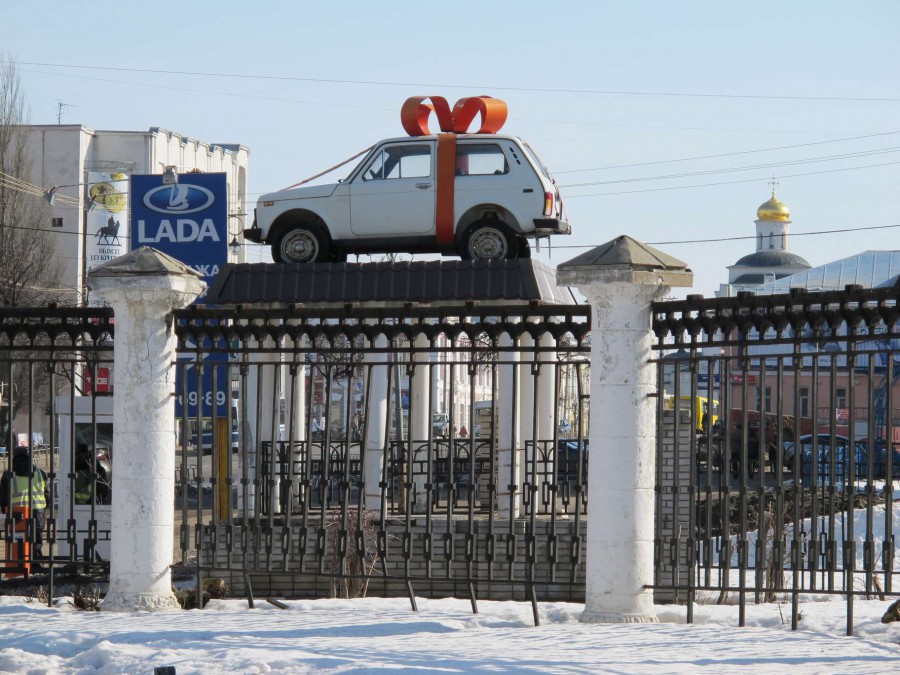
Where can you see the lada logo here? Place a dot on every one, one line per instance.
(179, 199)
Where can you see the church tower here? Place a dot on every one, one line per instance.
(772, 259)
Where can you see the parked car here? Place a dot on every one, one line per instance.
(806, 442)
(819, 464)
(568, 452)
(206, 440)
(879, 460)
(502, 195)
(440, 425)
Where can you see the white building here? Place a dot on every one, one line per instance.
(88, 172)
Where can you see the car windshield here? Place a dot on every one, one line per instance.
(367, 153)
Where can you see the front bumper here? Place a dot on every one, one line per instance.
(253, 234)
(547, 226)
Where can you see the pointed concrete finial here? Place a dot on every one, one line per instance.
(624, 259)
(145, 261)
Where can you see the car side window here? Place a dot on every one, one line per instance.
(480, 159)
(400, 161)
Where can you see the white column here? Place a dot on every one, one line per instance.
(620, 279)
(509, 471)
(376, 425)
(143, 289)
(295, 421)
(622, 458)
(545, 390)
(420, 407)
(526, 418)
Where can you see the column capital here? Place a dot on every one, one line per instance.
(627, 261)
(154, 275)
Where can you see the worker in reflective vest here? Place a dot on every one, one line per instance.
(26, 486)
(86, 479)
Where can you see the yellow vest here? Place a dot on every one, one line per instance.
(20, 491)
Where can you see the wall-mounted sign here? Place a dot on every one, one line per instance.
(106, 223)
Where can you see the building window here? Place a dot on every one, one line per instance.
(840, 398)
(804, 401)
(56, 222)
(768, 399)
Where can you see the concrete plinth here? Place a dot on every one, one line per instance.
(620, 280)
(143, 288)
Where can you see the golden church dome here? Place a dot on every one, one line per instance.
(773, 209)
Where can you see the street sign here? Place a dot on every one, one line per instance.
(212, 389)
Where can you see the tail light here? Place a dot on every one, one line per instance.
(548, 203)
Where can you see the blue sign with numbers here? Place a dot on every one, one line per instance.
(188, 220)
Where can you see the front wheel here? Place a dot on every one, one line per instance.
(489, 240)
(300, 245)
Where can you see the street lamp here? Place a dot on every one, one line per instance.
(235, 246)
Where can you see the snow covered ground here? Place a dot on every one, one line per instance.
(378, 635)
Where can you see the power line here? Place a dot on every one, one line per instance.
(751, 167)
(393, 110)
(729, 182)
(716, 240)
(725, 154)
(479, 87)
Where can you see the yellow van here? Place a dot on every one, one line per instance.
(701, 409)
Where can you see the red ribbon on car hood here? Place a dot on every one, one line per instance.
(414, 116)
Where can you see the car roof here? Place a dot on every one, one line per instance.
(467, 137)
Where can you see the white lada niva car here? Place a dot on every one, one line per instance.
(500, 196)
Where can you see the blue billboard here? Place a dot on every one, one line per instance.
(188, 220)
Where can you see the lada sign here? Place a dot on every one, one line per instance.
(188, 221)
(179, 199)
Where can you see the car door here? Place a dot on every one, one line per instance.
(394, 193)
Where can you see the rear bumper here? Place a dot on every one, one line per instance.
(545, 226)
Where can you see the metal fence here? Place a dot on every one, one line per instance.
(777, 479)
(420, 450)
(55, 448)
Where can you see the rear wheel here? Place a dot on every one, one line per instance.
(301, 244)
(489, 240)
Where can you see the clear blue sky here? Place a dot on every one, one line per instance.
(552, 63)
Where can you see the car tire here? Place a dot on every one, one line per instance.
(301, 244)
(489, 240)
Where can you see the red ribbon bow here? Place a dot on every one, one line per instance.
(415, 113)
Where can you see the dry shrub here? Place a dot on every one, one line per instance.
(213, 589)
(87, 598)
(39, 594)
(351, 580)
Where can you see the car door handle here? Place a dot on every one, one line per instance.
(423, 186)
